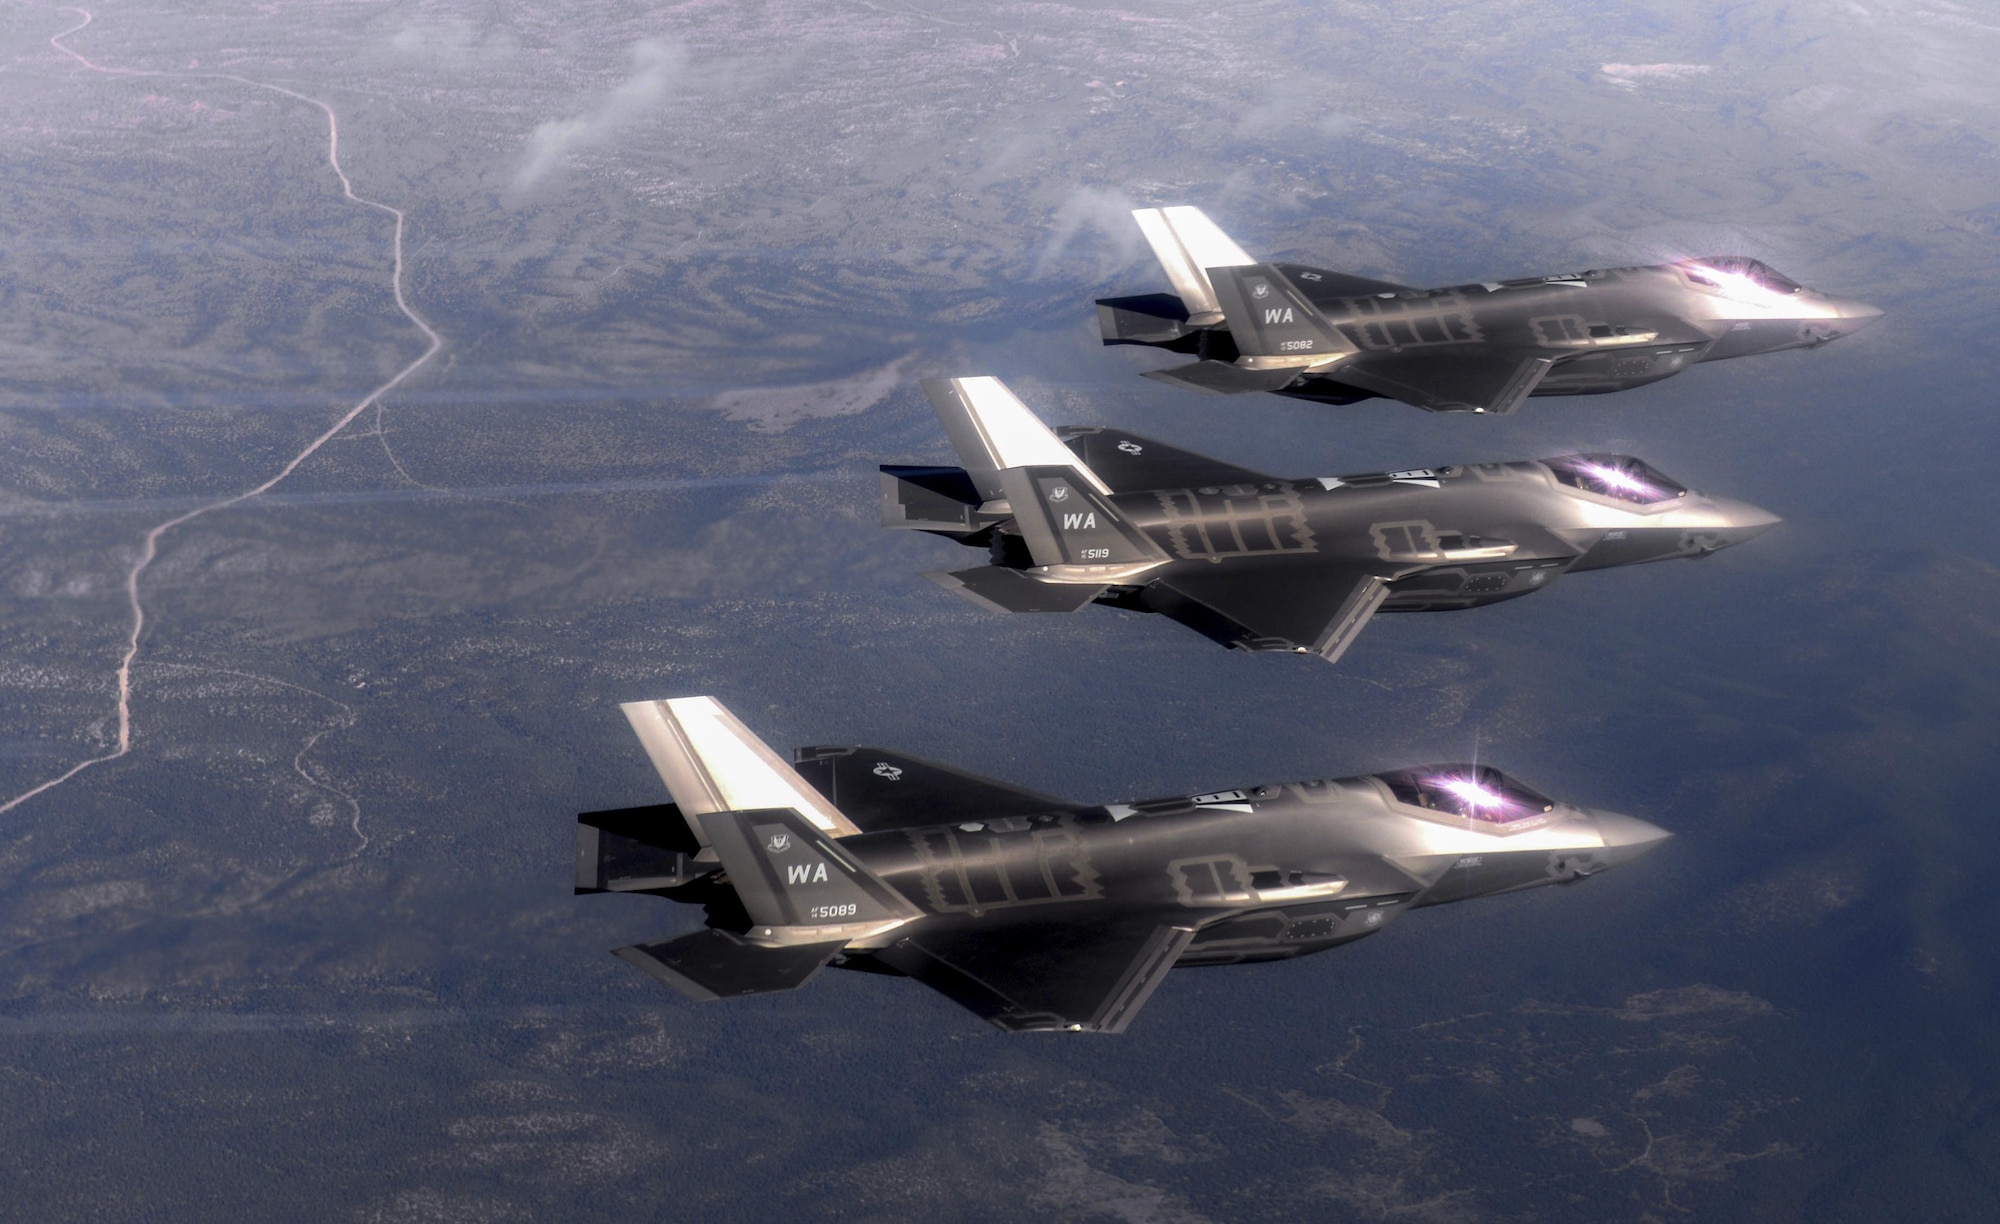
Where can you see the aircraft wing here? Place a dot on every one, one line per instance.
(1488, 380)
(880, 789)
(1321, 608)
(1130, 463)
(1088, 976)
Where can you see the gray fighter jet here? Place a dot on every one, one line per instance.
(1327, 336)
(1034, 912)
(1261, 563)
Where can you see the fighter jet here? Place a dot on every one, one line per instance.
(1261, 563)
(1327, 336)
(1032, 911)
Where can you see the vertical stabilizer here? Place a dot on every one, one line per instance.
(797, 885)
(993, 431)
(1187, 243)
(1075, 534)
(712, 763)
(1274, 325)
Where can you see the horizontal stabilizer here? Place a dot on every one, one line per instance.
(940, 499)
(1223, 378)
(643, 849)
(882, 789)
(998, 589)
(718, 965)
(992, 431)
(1029, 976)
(795, 882)
(1187, 243)
(1151, 318)
(1494, 382)
(1272, 321)
(712, 763)
(1133, 464)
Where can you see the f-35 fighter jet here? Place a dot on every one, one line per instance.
(1327, 336)
(1261, 563)
(1032, 911)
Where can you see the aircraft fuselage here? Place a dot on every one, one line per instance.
(1266, 873)
(1448, 537)
(1606, 329)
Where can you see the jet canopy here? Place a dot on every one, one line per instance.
(1739, 276)
(1620, 476)
(1477, 793)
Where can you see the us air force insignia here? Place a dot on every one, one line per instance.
(885, 770)
(1131, 448)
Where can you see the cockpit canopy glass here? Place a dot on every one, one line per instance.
(1619, 476)
(1474, 792)
(1739, 273)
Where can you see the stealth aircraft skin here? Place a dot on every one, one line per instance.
(1034, 912)
(1261, 563)
(1335, 338)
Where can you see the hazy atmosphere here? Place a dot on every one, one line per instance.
(562, 383)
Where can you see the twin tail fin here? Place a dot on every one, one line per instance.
(773, 836)
(1065, 536)
(1277, 331)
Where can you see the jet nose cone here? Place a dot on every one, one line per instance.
(1848, 316)
(1743, 521)
(1856, 315)
(1627, 837)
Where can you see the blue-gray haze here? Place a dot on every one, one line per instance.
(307, 950)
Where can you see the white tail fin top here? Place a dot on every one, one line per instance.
(992, 431)
(1185, 242)
(712, 763)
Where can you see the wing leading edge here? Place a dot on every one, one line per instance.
(1321, 609)
(1029, 976)
(1487, 381)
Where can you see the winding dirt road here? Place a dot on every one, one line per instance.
(150, 546)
